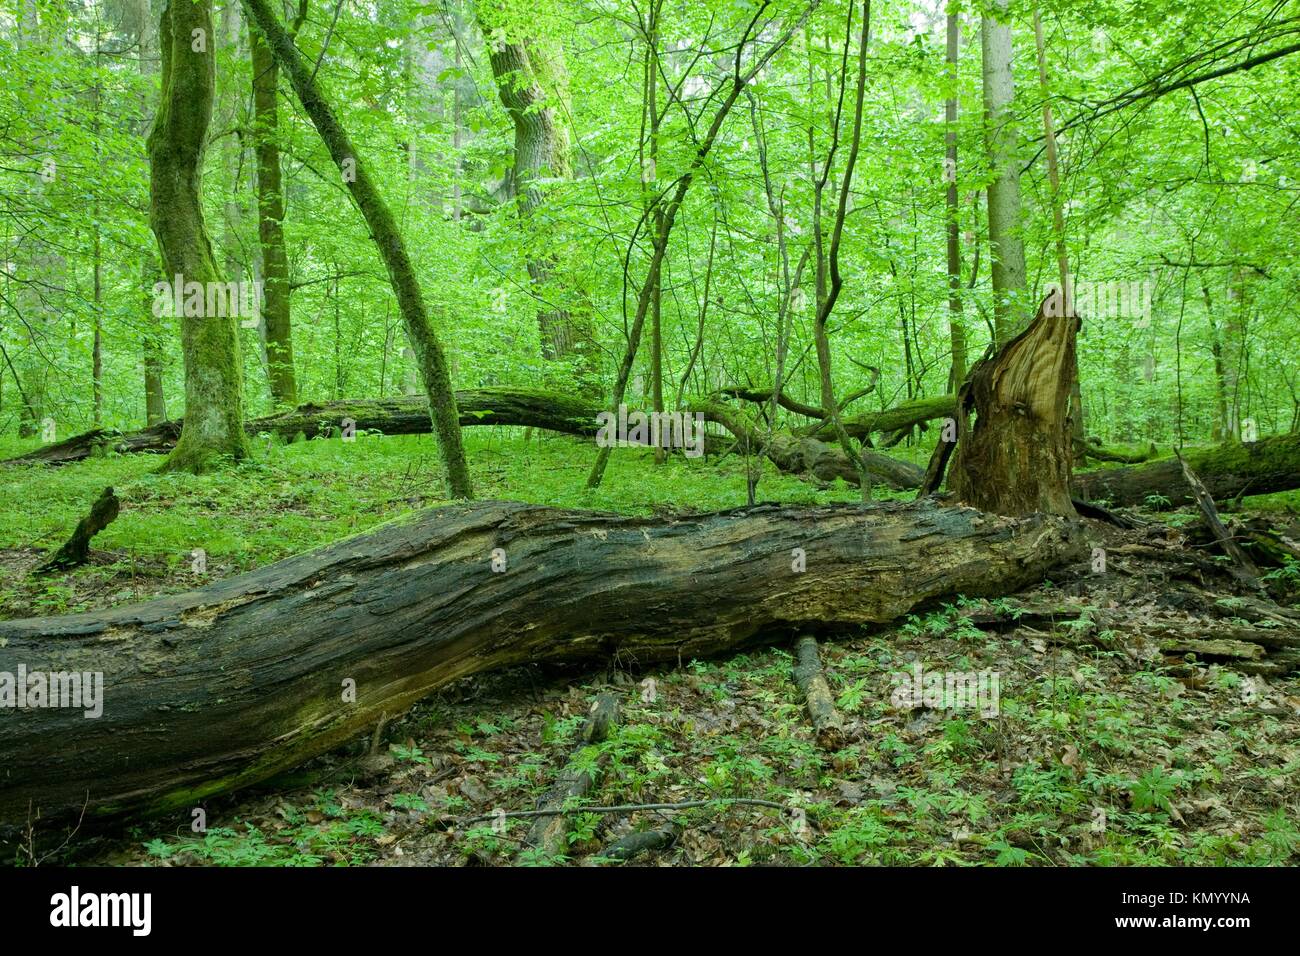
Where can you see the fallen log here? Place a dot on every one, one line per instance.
(548, 832)
(407, 415)
(641, 841)
(532, 408)
(828, 725)
(1120, 454)
(809, 457)
(899, 418)
(1228, 471)
(213, 690)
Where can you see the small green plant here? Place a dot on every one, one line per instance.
(1152, 790)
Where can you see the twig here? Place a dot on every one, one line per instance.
(628, 808)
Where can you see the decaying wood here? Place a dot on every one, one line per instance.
(1094, 449)
(1275, 642)
(548, 832)
(828, 725)
(1015, 458)
(1244, 570)
(76, 550)
(217, 689)
(1227, 471)
(809, 457)
(1213, 648)
(642, 841)
(407, 415)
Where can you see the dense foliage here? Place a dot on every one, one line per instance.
(1184, 191)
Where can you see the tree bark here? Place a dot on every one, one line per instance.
(1016, 458)
(1008, 249)
(214, 405)
(383, 229)
(1227, 471)
(532, 82)
(226, 686)
(278, 330)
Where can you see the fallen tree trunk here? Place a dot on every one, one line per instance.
(1122, 454)
(898, 418)
(216, 689)
(548, 832)
(530, 408)
(828, 725)
(805, 456)
(408, 415)
(1227, 471)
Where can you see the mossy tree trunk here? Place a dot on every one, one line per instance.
(429, 355)
(1228, 470)
(532, 82)
(214, 406)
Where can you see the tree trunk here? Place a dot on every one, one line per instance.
(1016, 458)
(532, 82)
(428, 351)
(1008, 250)
(270, 224)
(214, 406)
(210, 691)
(1227, 471)
(956, 326)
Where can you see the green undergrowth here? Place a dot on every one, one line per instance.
(1090, 761)
(292, 497)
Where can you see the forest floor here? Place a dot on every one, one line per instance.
(1103, 751)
